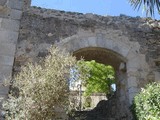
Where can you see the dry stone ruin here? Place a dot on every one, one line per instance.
(130, 44)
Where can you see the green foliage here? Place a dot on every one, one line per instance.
(42, 89)
(100, 79)
(146, 105)
(148, 5)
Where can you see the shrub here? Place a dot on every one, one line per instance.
(41, 88)
(146, 104)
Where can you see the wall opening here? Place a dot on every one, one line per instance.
(99, 84)
(110, 106)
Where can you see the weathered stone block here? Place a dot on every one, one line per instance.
(6, 70)
(116, 49)
(135, 47)
(131, 96)
(108, 44)
(100, 36)
(4, 12)
(132, 82)
(3, 2)
(120, 48)
(124, 49)
(1, 22)
(4, 90)
(7, 49)
(131, 55)
(100, 40)
(15, 14)
(8, 24)
(92, 41)
(75, 45)
(83, 42)
(15, 4)
(6, 60)
(143, 63)
(8, 37)
(133, 72)
(133, 90)
(134, 62)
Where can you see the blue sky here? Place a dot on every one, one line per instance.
(101, 7)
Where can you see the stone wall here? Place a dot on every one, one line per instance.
(10, 15)
(136, 40)
(41, 28)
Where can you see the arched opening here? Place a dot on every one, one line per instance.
(95, 82)
(109, 107)
(100, 55)
(123, 56)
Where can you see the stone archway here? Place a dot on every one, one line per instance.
(131, 65)
(101, 55)
(116, 105)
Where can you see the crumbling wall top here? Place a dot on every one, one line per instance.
(80, 17)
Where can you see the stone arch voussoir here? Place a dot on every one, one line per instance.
(74, 43)
(130, 53)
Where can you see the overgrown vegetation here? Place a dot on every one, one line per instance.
(100, 79)
(42, 88)
(146, 105)
(40, 91)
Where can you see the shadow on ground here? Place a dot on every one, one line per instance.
(105, 110)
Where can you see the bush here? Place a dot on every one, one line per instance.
(41, 88)
(146, 105)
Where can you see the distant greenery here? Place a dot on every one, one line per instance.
(100, 79)
(148, 5)
(146, 105)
